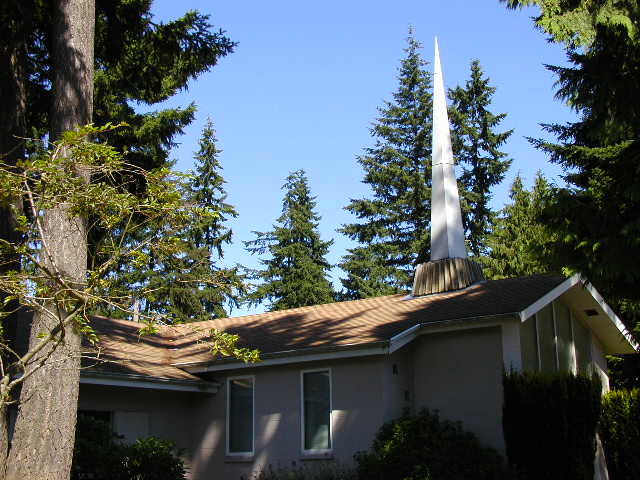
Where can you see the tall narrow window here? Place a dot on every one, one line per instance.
(316, 410)
(240, 415)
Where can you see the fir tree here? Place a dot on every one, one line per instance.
(136, 61)
(190, 284)
(476, 148)
(295, 274)
(519, 242)
(394, 230)
(596, 215)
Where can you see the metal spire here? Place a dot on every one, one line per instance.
(447, 234)
(449, 268)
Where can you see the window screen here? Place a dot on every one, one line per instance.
(240, 415)
(316, 390)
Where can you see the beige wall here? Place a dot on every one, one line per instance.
(358, 411)
(397, 387)
(460, 374)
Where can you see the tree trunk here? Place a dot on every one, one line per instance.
(42, 444)
(13, 108)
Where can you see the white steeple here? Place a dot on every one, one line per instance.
(447, 234)
(449, 268)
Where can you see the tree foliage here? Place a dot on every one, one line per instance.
(393, 226)
(519, 243)
(137, 61)
(476, 148)
(176, 288)
(596, 215)
(48, 180)
(100, 454)
(295, 274)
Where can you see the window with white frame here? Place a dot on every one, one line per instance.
(240, 416)
(316, 410)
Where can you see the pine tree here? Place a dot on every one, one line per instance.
(476, 148)
(295, 274)
(394, 229)
(519, 242)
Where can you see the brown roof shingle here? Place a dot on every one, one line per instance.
(122, 350)
(362, 321)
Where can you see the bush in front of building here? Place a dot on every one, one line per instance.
(426, 447)
(620, 433)
(315, 470)
(99, 454)
(549, 423)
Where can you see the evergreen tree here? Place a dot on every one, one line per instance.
(519, 242)
(136, 61)
(190, 285)
(596, 215)
(295, 274)
(476, 148)
(394, 230)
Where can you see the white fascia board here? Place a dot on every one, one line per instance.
(142, 382)
(612, 316)
(401, 339)
(550, 296)
(290, 358)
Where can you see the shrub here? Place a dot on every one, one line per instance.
(424, 447)
(549, 424)
(620, 433)
(99, 454)
(316, 471)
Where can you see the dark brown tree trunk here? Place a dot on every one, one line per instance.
(42, 444)
(13, 108)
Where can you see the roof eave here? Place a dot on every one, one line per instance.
(147, 382)
(613, 334)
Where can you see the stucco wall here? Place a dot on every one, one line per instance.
(397, 387)
(460, 375)
(357, 412)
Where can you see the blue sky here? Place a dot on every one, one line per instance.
(304, 83)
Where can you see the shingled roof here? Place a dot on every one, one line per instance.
(123, 351)
(339, 324)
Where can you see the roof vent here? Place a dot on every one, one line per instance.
(591, 312)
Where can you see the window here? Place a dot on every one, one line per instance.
(316, 411)
(240, 416)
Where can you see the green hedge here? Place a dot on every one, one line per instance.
(620, 433)
(424, 447)
(549, 424)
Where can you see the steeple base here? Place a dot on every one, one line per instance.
(438, 276)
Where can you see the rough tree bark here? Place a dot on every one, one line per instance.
(42, 443)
